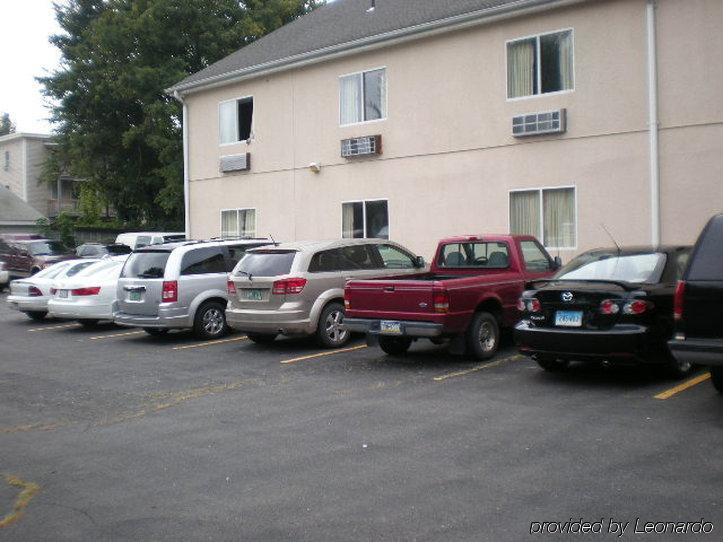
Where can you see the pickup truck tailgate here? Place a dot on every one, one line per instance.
(397, 299)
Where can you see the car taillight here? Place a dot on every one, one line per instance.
(34, 291)
(92, 290)
(53, 291)
(521, 305)
(534, 305)
(288, 286)
(678, 304)
(609, 307)
(440, 301)
(169, 293)
(231, 287)
(636, 307)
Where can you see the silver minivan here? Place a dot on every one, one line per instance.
(297, 289)
(179, 286)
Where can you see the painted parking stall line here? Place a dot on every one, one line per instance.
(50, 328)
(114, 335)
(667, 394)
(323, 354)
(481, 367)
(210, 343)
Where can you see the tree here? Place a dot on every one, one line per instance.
(116, 126)
(6, 125)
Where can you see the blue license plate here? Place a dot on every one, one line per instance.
(568, 318)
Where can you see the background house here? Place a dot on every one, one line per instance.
(16, 216)
(418, 120)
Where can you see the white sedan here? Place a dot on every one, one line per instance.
(4, 276)
(31, 295)
(90, 295)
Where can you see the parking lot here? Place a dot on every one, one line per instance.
(110, 433)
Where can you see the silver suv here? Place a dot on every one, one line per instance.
(179, 286)
(298, 288)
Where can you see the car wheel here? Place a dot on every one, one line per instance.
(88, 324)
(155, 331)
(395, 346)
(37, 315)
(329, 333)
(483, 336)
(678, 368)
(262, 338)
(716, 376)
(552, 365)
(210, 321)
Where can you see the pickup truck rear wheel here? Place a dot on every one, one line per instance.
(716, 376)
(395, 346)
(483, 336)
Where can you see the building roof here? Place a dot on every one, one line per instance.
(349, 25)
(23, 135)
(14, 211)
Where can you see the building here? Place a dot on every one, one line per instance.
(16, 216)
(22, 156)
(418, 120)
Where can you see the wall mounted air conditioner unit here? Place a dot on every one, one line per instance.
(237, 162)
(532, 124)
(361, 146)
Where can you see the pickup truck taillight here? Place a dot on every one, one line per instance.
(678, 304)
(440, 300)
(347, 301)
(288, 286)
(231, 287)
(169, 294)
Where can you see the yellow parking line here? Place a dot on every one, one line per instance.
(667, 394)
(112, 335)
(46, 328)
(487, 365)
(210, 343)
(322, 354)
(27, 492)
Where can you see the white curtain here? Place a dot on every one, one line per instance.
(559, 220)
(566, 66)
(228, 122)
(229, 223)
(351, 101)
(247, 221)
(347, 220)
(521, 68)
(525, 213)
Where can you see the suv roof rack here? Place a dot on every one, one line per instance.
(239, 238)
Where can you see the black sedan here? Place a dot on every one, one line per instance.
(613, 306)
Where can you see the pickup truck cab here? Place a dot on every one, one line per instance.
(469, 294)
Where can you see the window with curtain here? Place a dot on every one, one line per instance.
(235, 118)
(365, 219)
(362, 97)
(540, 64)
(238, 223)
(548, 214)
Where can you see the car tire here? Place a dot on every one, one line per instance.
(483, 336)
(155, 331)
(210, 321)
(716, 377)
(679, 369)
(328, 332)
(37, 315)
(262, 338)
(395, 346)
(553, 365)
(88, 324)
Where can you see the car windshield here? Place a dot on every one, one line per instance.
(77, 268)
(47, 248)
(97, 268)
(146, 265)
(634, 268)
(266, 263)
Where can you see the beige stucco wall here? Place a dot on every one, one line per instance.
(38, 193)
(449, 160)
(12, 178)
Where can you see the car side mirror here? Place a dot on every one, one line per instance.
(558, 263)
(419, 262)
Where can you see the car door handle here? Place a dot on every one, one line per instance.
(389, 288)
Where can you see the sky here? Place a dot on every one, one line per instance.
(25, 54)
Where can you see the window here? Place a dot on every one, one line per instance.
(203, 261)
(271, 263)
(326, 261)
(548, 214)
(481, 255)
(235, 120)
(600, 265)
(540, 64)
(7, 160)
(363, 97)
(235, 253)
(365, 219)
(146, 265)
(393, 258)
(238, 223)
(536, 261)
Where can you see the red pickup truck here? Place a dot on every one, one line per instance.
(469, 293)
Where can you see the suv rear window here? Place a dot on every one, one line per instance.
(266, 264)
(707, 263)
(146, 265)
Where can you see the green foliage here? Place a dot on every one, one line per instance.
(62, 227)
(116, 126)
(6, 125)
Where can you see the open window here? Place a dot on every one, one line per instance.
(236, 120)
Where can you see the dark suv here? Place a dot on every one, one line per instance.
(25, 258)
(698, 300)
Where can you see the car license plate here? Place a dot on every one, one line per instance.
(254, 295)
(63, 294)
(134, 295)
(568, 318)
(390, 328)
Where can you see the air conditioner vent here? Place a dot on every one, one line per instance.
(361, 146)
(238, 162)
(549, 122)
